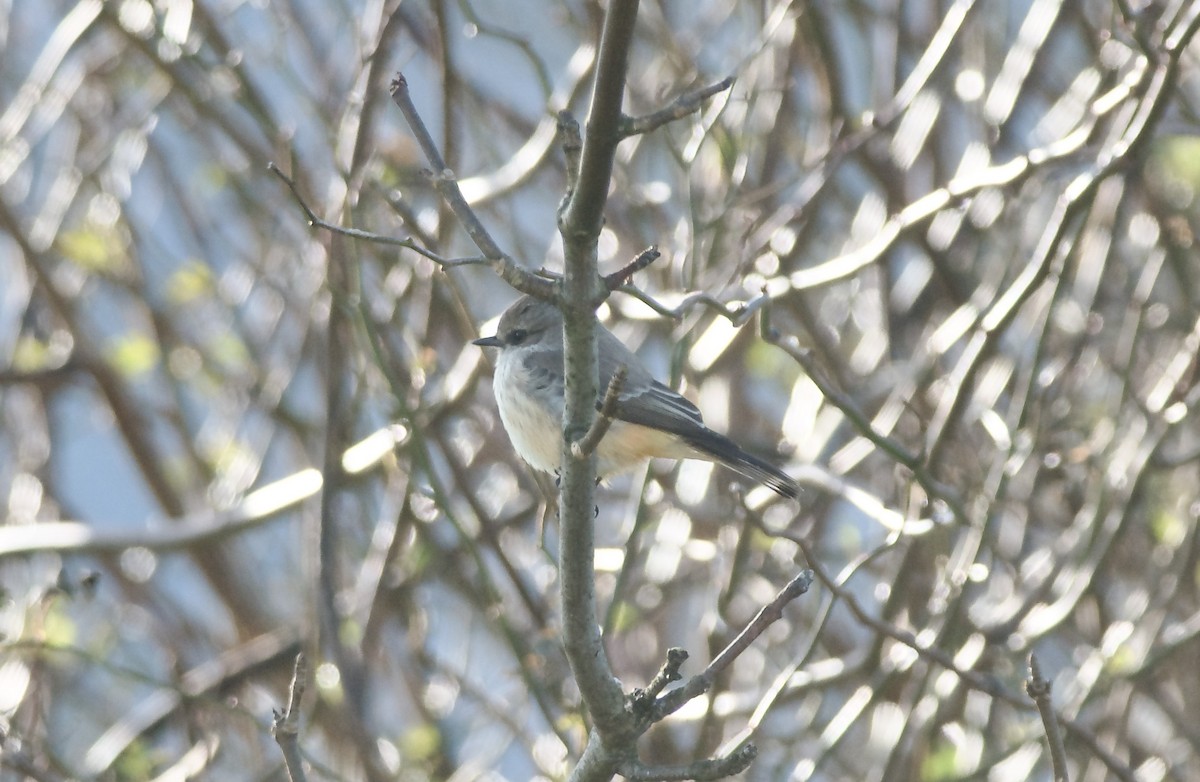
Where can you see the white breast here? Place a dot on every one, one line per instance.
(535, 429)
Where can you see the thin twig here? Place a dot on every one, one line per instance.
(768, 615)
(586, 445)
(979, 681)
(685, 104)
(625, 274)
(443, 178)
(862, 424)
(702, 770)
(447, 186)
(1039, 689)
(957, 191)
(369, 236)
(737, 313)
(668, 673)
(286, 727)
(1061, 231)
(988, 685)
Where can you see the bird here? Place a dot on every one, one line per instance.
(650, 420)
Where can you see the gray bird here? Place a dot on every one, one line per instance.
(650, 419)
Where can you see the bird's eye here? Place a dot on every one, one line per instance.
(517, 336)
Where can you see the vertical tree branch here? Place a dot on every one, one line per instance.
(581, 291)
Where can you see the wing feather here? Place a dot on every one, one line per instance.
(659, 407)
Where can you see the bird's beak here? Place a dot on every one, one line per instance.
(488, 342)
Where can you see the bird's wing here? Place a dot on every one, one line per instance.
(643, 400)
(654, 405)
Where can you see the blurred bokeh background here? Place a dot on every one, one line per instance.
(228, 437)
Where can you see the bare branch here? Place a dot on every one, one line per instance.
(973, 182)
(202, 680)
(685, 104)
(618, 280)
(862, 423)
(356, 233)
(702, 770)
(978, 681)
(625, 274)
(668, 673)
(767, 615)
(447, 185)
(286, 725)
(737, 313)
(1039, 690)
(1057, 237)
(581, 292)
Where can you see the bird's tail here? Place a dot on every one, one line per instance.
(721, 449)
